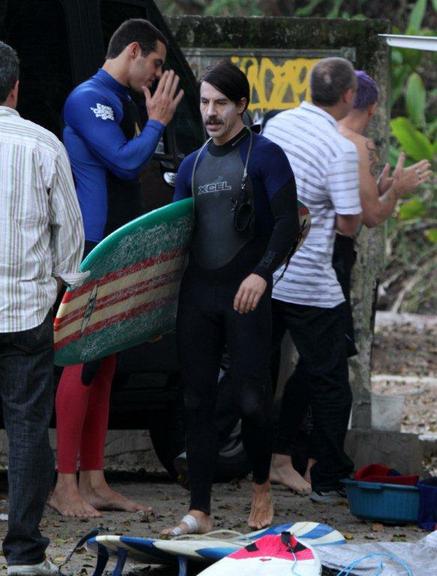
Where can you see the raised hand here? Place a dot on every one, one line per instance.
(407, 179)
(162, 105)
(385, 181)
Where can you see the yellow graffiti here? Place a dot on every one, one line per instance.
(276, 86)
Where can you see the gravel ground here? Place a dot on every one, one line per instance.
(412, 340)
(231, 508)
(405, 364)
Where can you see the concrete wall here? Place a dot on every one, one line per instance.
(125, 450)
(277, 54)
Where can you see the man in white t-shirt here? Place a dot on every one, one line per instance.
(307, 297)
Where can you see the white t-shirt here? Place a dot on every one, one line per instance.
(325, 165)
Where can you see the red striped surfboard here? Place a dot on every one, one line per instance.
(131, 293)
(305, 223)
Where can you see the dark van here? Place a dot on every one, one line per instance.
(61, 43)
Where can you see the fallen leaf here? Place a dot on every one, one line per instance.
(398, 538)
(377, 527)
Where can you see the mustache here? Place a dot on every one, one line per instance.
(213, 120)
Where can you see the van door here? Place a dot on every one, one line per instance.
(37, 30)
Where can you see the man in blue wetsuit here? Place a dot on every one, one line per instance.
(108, 149)
(246, 225)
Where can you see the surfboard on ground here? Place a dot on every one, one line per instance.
(207, 548)
(271, 555)
(130, 295)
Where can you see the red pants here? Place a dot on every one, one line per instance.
(82, 414)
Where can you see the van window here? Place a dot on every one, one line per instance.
(37, 30)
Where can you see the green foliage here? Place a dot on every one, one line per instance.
(414, 143)
(416, 100)
(233, 8)
(416, 17)
(432, 130)
(335, 10)
(308, 9)
(414, 132)
(431, 235)
(412, 209)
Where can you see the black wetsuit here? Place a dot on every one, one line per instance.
(220, 259)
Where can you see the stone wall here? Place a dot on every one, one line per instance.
(125, 450)
(276, 54)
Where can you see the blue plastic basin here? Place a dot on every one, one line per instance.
(390, 503)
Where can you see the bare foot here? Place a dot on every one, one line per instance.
(261, 511)
(195, 522)
(310, 464)
(96, 491)
(283, 472)
(67, 500)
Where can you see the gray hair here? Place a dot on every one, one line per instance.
(9, 70)
(330, 79)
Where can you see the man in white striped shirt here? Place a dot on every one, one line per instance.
(307, 297)
(41, 246)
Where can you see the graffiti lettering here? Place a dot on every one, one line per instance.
(276, 86)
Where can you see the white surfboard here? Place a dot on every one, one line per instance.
(271, 555)
(206, 548)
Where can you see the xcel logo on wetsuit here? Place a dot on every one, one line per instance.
(219, 185)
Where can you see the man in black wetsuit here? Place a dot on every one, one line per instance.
(246, 226)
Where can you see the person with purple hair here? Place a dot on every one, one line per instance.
(379, 191)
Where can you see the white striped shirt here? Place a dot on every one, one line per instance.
(40, 222)
(325, 165)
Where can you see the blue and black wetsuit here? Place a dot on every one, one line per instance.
(108, 149)
(220, 259)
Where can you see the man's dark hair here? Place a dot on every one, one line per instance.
(330, 79)
(135, 30)
(9, 70)
(229, 80)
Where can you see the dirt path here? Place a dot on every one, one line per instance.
(405, 364)
(230, 511)
(405, 350)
